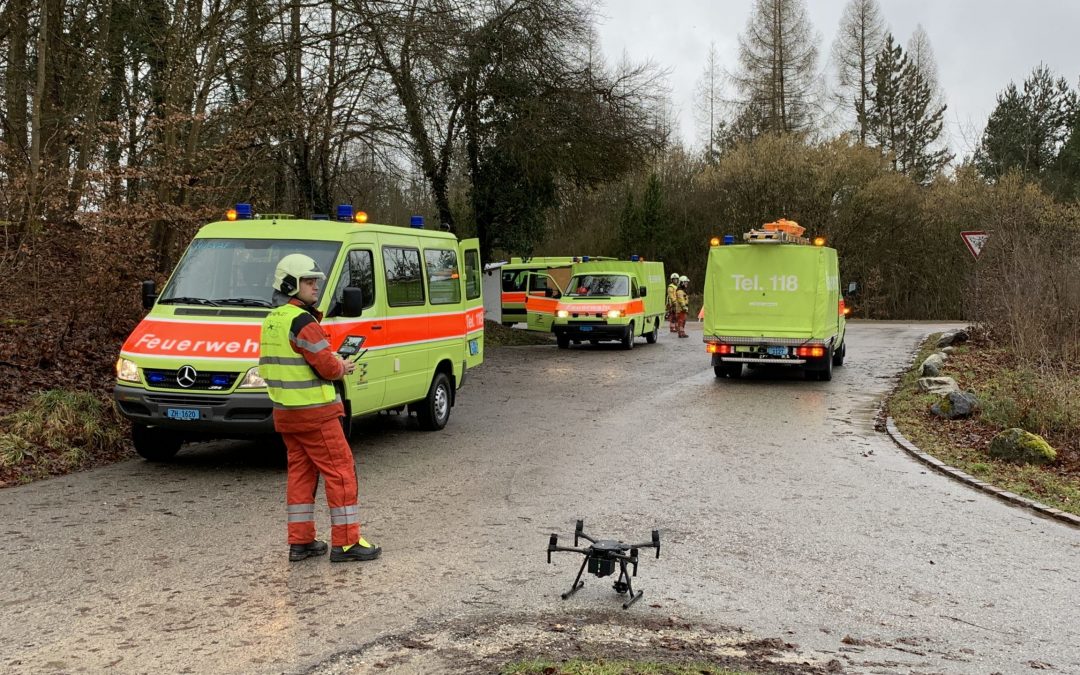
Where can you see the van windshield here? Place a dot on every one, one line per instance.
(591, 285)
(238, 272)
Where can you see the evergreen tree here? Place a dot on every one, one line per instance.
(903, 119)
(882, 119)
(652, 217)
(1027, 129)
(629, 224)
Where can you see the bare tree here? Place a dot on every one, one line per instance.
(709, 104)
(859, 40)
(777, 77)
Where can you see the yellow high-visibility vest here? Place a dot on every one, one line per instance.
(290, 380)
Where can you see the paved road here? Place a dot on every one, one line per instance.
(782, 512)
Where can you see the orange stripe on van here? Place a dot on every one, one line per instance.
(241, 341)
(194, 340)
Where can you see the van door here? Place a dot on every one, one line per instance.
(473, 287)
(407, 310)
(366, 387)
(542, 295)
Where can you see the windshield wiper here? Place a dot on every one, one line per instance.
(187, 301)
(246, 302)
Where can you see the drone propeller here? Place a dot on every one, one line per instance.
(656, 542)
(578, 531)
(552, 543)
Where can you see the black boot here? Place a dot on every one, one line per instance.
(309, 550)
(361, 550)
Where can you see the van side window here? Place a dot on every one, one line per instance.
(472, 275)
(513, 281)
(404, 285)
(444, 280)
(634, 288)
(359, 272)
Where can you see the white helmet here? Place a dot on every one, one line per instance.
(291, 269)
(684, 279)
(674, 276)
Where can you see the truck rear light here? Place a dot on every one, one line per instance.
(812, 352)
(719, 348)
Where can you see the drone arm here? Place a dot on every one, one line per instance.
(579, 532)
(655, 543)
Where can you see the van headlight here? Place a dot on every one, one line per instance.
(252, 380)
(126, 371)
(615, 314)
(562, 313)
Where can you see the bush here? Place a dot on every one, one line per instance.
(59, 431)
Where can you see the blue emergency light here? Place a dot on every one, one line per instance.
(220, 380)
(155, 378)
(584, 258)
(243, 211)
(417, 222)
(729, 239)
(344, 212)
(635, 258)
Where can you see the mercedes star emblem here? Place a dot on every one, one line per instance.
(185, 377)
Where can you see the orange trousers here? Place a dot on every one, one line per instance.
(322, 451)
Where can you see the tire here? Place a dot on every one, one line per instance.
(824, 374)
(650, 337)
(434, 411)
(732, 370)
(155, 444)
(628, 337)
(563, 341)
(838, 357)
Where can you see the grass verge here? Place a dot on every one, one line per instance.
(1011, 394)
(604, 667)
(57, 432)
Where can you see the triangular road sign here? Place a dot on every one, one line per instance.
(975, 240)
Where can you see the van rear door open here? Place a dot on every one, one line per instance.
(472, 286)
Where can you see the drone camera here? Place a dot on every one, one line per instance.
(601, 568)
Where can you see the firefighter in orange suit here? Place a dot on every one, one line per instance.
(299, 368)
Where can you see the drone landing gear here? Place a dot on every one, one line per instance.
(600, 559)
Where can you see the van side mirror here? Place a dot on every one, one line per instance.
(852, 288)
(549, 292)
(352, 301)
(149, 294)
(643, 291)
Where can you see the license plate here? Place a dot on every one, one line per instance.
(474, 347)
(182, 413)
(777, 351)
(585, 329)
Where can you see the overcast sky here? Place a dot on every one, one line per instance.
(979, 45)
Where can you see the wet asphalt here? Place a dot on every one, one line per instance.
(781, 511)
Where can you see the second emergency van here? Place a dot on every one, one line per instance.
(407, 302)
(774, 299)
(604, 300)
(532, 276)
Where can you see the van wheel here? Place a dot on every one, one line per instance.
(825, 374)
(650, 337)
(563, 341)
(732, 370)
(433, 412)
(628, 337)
(838, 357)
(155, 444)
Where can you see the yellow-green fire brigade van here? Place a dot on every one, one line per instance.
(408, 299)
(603, 300)
(774, 300)
(532, 276)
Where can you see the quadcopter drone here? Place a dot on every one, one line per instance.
(601, 557)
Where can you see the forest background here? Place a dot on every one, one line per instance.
(127, 124)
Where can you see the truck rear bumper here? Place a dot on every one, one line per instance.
(237, 414)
